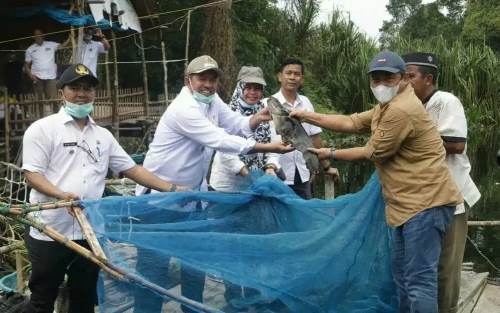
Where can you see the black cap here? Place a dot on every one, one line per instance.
(421, 59)
(75, 72)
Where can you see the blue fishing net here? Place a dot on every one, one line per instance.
(260, 250)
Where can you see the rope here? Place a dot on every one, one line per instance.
(156, 15)
(483, 255)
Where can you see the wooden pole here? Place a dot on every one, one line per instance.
(7, 123)
(483, 223)
(144, 76)
(115, 119)
(329, 187)
(108, 78)
(13, 246)
(186, 53)
(89, 234)
(113, 270)
(19, 271)
(165, 72)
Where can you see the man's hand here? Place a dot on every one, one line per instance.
(298, 114)
(244, 171)
(33, 78)
(270, 171)
(69, 196)
(322, 153)
(278, 147)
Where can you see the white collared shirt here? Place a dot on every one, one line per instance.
(90, 54)
(42, 58)
(188, 133)
(448, 114)
(292, 160)
(55, 146)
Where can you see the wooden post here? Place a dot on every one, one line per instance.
(19, 271)
(186, 53)
(108, 78)
(144, 76)
(165, 72)
(7, 123)
(115, 119)
(329, 187)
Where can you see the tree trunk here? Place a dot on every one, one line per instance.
(218, 43)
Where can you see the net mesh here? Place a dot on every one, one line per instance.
(260, 250)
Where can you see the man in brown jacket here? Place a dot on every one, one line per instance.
(418, 188)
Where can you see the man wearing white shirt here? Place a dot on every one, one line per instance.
(66, 156)
(298, 176)
(41, 68)
(448, 114)
(91, 48)
(195, 124)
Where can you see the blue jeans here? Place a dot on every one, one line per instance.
(415, 256)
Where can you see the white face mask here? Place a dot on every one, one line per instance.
(385, 94)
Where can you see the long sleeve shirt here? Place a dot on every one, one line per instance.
(188, 133)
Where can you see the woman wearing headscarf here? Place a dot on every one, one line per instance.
(230, 171)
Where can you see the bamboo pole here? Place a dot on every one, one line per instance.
(115, 121)
(144, 76)
(186, 52)
(483, 223)
(89, 234)
(19, 271)
(165, 72)
(111, 269)
(13, 246)
(7, 123)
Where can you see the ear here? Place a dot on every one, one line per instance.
(429, 80)
(278, 76)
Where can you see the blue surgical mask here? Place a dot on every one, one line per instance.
(78, 110)
(201, 97)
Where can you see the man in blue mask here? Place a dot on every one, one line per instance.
(66, 156)
(195, 124)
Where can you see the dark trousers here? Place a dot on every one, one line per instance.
(303, 190)
(50, 261)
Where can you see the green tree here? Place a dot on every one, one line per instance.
(482, 23)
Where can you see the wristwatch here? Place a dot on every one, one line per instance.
(332, 152)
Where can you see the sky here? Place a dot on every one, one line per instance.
(368, 15)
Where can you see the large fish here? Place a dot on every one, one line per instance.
(292, 131)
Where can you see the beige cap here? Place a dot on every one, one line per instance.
(201, 64)
(252, 74)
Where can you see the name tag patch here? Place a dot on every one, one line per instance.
(69, 144)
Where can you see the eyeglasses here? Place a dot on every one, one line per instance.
(85, 147)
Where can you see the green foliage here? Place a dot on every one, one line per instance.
(482, 23)
(469, 71)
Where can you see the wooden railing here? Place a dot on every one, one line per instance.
(131, 107)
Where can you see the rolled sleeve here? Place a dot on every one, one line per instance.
(452, 123)
(28, 57)
(393, 129)
(362, 121)
(36, 150)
